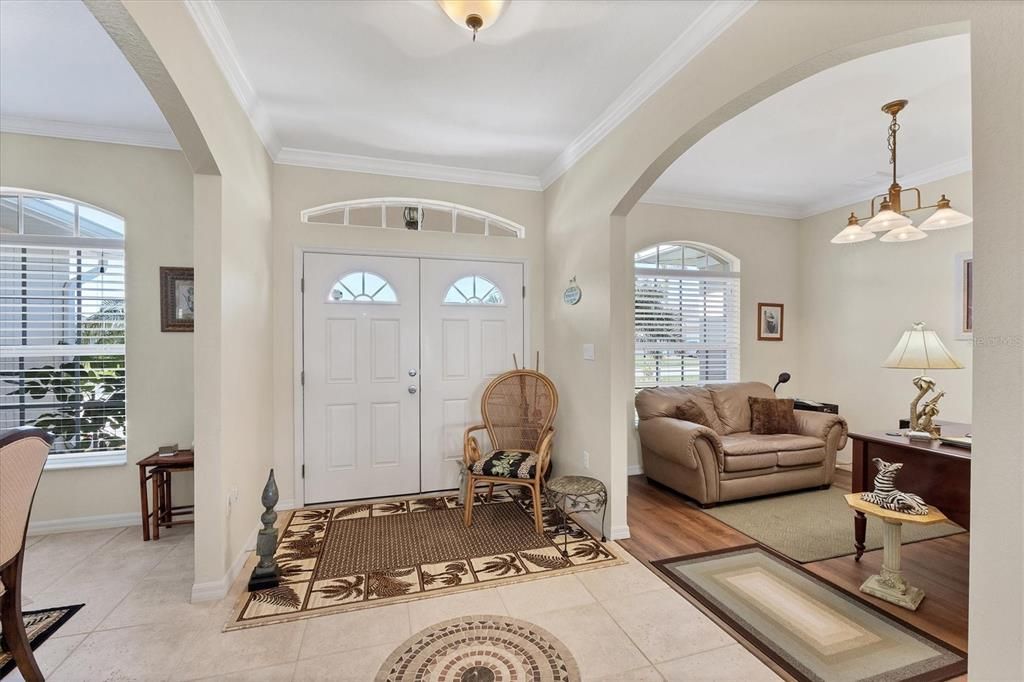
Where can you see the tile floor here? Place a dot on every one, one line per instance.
(621, 623)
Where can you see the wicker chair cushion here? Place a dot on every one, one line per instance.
(507, 464)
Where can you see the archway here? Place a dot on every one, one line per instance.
(744, 65)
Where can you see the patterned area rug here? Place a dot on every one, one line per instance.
(813, 525)
(810, 628)
(481, 649)
(39, 625)
(363, 555)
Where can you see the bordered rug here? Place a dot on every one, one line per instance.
(481, 649)
(810, 628)
(362, 555)
(39, 625)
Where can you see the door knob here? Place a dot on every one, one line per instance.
(412, 372)
(413, 389)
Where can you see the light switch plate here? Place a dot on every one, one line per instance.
(588, 351)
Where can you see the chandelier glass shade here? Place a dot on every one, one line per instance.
(853, 233)
(891, 217)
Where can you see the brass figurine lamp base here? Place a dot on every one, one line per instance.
(922, 349)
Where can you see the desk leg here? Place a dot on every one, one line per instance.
(157, 484)
(144, 498)
(860, 527)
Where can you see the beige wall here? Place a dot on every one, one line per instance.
(298, 188)
(232, 220)
(152, 190)
(768, 249)
(859, 298)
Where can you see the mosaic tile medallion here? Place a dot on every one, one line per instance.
(481, 649)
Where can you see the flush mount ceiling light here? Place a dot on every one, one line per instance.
(891, 217)
(475, 15)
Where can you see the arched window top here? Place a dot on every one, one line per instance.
(686, 256)
(362, 287)
(40, 214)
(417, 215)
(474, 290)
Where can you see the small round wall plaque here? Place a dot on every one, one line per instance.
(573, 293)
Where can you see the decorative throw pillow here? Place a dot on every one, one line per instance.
(692, 412)
(771, 415)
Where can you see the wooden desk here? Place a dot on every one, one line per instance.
(941, 474)
(157, 469)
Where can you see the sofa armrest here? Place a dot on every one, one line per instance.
(820, 425)
(678, 440)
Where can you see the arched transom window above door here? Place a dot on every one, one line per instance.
(415, 215)
(474, 290)
(363, 287)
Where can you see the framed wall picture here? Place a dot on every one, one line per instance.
(965, 295)
(769, 321)
(177, 299)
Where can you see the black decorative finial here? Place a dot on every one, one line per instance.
(266, 574)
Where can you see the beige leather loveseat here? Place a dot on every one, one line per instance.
(726, 461)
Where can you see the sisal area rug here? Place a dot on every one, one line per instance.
(811, 629)
(481, 649)
(813, 525)
(39, 625)
(363, 555)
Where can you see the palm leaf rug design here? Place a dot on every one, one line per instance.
(367, 554)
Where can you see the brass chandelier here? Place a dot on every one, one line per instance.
(891, 217)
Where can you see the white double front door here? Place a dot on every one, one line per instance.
(396, 354)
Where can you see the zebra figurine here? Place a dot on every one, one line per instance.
(885, 494)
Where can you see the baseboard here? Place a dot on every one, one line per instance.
(286, 505)
(619, 532)
(218, 589)
(85, 523)
(635, 469)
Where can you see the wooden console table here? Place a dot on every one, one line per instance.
(941, 474)
(157, 469)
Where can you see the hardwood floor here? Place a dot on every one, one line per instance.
(664, 524)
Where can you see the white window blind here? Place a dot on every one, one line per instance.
(62, 332)
(687, 326)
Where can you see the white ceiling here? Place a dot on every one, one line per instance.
(821, 143)
(398, 80)
(60, 72)
(395, 87)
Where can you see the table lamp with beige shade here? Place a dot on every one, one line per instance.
(922, 349)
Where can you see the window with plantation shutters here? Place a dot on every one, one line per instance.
(62, 325)
(686, 312)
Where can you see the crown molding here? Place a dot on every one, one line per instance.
(794, 211)
(88, 133)
(218, 38)
(708, 203)
(708, 26)
(290, 156)
(852, 196)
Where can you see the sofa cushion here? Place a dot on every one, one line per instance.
(662, 402)
(738, 444)
(731, 404)
(771, 415)
(690, 411)
(802, 458)
(749, 462)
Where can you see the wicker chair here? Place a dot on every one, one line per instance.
(518, 409)
(23, 453)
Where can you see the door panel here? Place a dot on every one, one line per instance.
(361, 339)
(469, 333)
